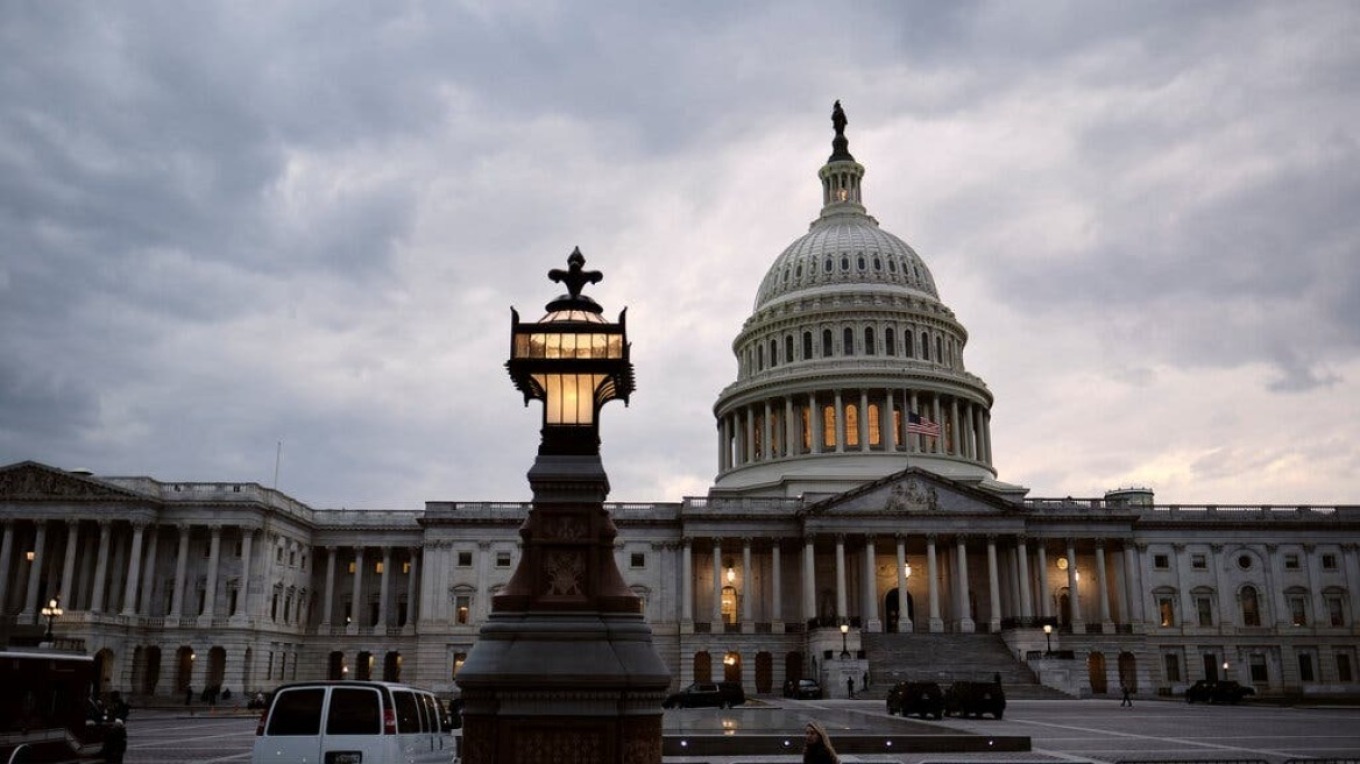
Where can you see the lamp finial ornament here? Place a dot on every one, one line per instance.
(575, 277)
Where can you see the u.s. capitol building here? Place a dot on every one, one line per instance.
(856, 532)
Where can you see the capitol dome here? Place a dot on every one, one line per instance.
(850, 368)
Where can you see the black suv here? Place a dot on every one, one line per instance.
(1224, 691)
(975, 699)
(717, 694)
(803, 689)
(923, 699)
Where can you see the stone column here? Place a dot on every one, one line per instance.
(1022, 561)
(68, 567)
(384, 586)
(1275, 585)
(747, 592)
(210, 594)
(993, 585)
(6, 555)
(939, 419)
(149, 574)
(964, 606)
(889, 426)
(791, 426)
(329, 600)
(1045, 594)
(914, 439)
(1073, 598)
(101, 568)
(1133, 600)
(841, 607)
(181, 563)
(412, 589)
(871, 621)
(954, 428)
(863, 423)
(1106, 623)
(840, 423)
(356, 593)
(904, 624)
(933, 585)
(816, 424)
(30, 612)
(247, 550)
(750, 428)
(777, 584)
(687, 581)
(134, 570)
(809, 579)
(715, 610)
(767, 448)
(1187, 602)
(1351, 564)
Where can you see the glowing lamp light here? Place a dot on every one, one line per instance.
(906, 570)
(51, 611)
(573, 360)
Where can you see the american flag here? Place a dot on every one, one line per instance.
(922, 426)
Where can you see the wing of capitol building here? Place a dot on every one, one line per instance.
(856, 533)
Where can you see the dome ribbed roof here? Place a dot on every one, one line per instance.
(845, 250)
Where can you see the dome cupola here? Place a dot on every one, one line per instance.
(850, 368)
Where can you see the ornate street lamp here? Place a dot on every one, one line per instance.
(845, 629)
(1048, 637)
(51, 611)
(565, 661)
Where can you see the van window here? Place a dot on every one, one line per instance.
(431, 707)
(354, 711)
(408, 713)
(297, 712)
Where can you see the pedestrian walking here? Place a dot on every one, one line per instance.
(1126, 700)
(850, 685)
(188, 695)
(817, 748)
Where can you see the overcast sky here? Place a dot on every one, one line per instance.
(226, 226)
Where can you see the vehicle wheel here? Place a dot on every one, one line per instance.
(997, 714)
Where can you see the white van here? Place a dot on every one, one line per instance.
(353, 723)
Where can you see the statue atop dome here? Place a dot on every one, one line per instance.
(840, 145)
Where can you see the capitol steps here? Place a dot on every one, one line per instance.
(946, 658)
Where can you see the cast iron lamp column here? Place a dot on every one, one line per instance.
(845, 629)
(51, 611)
(1048, 637)
(564, 669)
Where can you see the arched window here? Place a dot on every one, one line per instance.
(807, 346)
(1251, 608)
(760, 358)
(788, 348)
(849, 339)
(889, 343)
(925, 346)
(907, 349)
(939, 355)
(869, 340)
(826, 343)
(774, 353)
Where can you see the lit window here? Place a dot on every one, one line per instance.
(875, 437)
(851, 425)
(462, 605)
(1167, 608)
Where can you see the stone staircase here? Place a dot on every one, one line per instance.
(947, 658)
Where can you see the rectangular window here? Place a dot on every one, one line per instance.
(1205, 610)
(406, 568)
(458, 660)
(637, 560)
(1161, 561)
(1166, 606)
(1329, 562)
(1198, 562)
(463, 607)
(1306, 667)
(1173, 667)
(1298, 610)
(239, 548)
(465, 559)
(1291, 562)
(502, 559)
(1336, 615)
(1259, 673)
(1343, 668)
(378, 567)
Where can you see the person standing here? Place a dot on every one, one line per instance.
(115, 742)
(817, 748)
(850, 685)
(1126, 700)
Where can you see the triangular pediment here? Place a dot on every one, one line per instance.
(914, 491)
(31, 481)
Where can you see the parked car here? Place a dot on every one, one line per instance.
(803, 689)
(1217, 691)
(923, 699)
(351, 722)
(707, 694)
(975, 699)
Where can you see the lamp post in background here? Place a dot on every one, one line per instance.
(564, 669)
(845, 629)
(51, 611)
(1048, 637)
